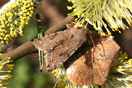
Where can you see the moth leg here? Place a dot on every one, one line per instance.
(93, 49)
(92, 54)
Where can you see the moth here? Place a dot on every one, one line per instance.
(61, 45)
(82, 71)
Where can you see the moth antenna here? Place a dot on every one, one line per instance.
(102, 39)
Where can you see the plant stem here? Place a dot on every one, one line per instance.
(28, 47)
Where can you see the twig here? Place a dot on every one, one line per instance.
(59, 26)
(28, 47)
(22, 50)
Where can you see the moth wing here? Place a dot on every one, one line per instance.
(74, 38)
(47, 42)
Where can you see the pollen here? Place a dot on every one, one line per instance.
(6, 67)
(10, 19)
(102, 13)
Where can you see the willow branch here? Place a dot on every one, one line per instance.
(21, 51)
(59, 26)
(28, 47)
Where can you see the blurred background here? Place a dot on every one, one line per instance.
(26, 73)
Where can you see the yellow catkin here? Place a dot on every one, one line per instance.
(94, 11)
(5, 70)
(15, 16)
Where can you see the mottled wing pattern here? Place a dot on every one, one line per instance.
(46, 42)
(60, 46)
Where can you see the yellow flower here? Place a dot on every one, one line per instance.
(14, 16)
(5, 70)
(60, 73)
(102, 13)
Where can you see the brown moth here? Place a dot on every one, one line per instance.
(61, 45)
(85, 71)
